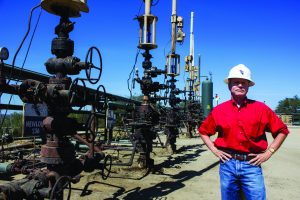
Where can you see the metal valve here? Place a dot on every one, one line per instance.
(180, 34)
(147, 28)
(4, 53)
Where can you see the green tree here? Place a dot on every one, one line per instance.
(288, 105)
(138, 97)
(13, 124)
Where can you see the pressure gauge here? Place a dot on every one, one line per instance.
(4, 54)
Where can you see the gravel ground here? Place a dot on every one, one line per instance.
(191, 173)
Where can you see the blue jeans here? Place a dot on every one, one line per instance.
(237, 176)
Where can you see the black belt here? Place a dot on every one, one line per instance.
(241, 157)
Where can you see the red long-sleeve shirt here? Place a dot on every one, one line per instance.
(242, 128)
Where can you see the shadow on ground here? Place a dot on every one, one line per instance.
(184, 155)
(164, 188)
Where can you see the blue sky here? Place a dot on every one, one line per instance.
(262, 34)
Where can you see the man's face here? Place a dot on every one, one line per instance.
(238, 87)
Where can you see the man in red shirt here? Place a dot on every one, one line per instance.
(242, 144)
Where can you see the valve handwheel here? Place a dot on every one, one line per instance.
(57, 191)
(77, 94)
(90, 133)
(101, 96)
(106, 168)
(89, 65)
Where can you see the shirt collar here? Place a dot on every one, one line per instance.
(244, 103)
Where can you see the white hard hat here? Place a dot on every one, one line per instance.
(240, 71)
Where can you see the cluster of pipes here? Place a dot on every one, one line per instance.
(61, 93)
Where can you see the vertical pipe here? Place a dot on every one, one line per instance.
(148, 7)
(192, 38)
(173, 20)
(199, 64)
(145, 29)
(94, 127)
(141, 35)
(154, 31)
(147, 12)
(174, 6)
(179, 65)
(191, 63)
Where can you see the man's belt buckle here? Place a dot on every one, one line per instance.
(241, 157)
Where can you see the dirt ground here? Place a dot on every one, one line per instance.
(191, 173)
